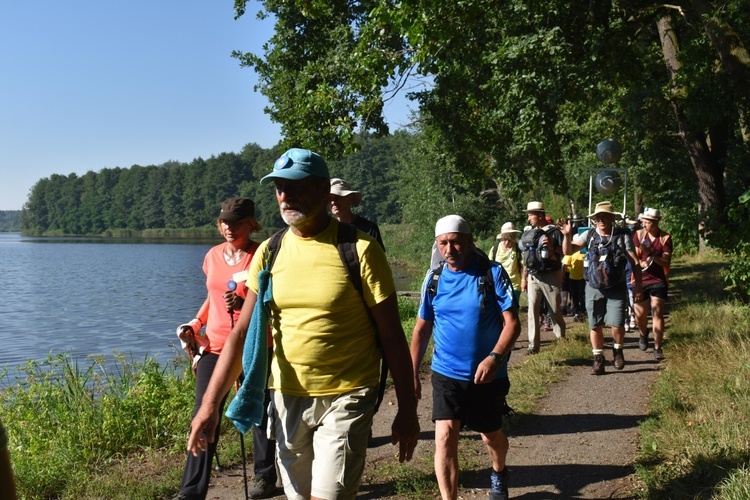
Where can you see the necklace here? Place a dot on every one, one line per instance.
(233, 258)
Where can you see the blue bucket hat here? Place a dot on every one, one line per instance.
(297, 164)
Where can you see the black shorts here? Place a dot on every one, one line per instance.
(478, 407)
(658, 290)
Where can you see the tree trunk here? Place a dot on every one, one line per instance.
(708, 168)
(728, 45)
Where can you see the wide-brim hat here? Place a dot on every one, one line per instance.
(604, 207)
(339, 187)
(510, 229)
(452, 224)
(535, 206)
(297, 164)
(651, 214)
(630, 221)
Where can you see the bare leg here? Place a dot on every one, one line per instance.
(657, 319)
(497, 446)
(446, 457)
(618, 335)
(597, 337)
(641, 317)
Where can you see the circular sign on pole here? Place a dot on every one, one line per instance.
(609, 151)
(608, 181)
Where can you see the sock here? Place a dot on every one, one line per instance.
(597, 351)
(617, 346)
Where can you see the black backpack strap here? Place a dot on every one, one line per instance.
(274, 242)
(493, 252)
(347, 246)
(346, 243)
(433, 284)
(487, 280)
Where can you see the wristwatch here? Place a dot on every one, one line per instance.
(497, 358)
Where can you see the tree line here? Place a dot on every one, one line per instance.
(10, 221)
(177, 195)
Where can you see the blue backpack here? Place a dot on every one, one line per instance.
(605, 262)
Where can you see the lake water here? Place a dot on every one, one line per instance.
(93, 296)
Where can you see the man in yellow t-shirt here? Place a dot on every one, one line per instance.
(324, 374)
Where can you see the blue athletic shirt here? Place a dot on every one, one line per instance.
(463, 336)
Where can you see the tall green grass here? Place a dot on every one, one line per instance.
(696, 443)
(68, 420)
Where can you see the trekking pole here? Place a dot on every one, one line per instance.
(231, 286)
(242, 447)
(244, 462)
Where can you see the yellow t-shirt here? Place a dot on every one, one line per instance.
(324, 343)
(574, 265)
(510, 261)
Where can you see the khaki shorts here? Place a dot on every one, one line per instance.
(321, 442)
(606, 306)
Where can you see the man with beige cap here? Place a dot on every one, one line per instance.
(654, 249)
(341, 201)
(467, 307)
(542, 274)
(607, 250)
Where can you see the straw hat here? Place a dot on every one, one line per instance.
(535, 206)
(651, 214)
(508, 229)
(604, 207)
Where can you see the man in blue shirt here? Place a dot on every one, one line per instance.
(470, 311)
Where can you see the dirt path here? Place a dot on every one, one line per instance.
(580, 442)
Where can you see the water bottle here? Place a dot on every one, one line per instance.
(544, 253)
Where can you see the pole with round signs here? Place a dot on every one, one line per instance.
(608, 180)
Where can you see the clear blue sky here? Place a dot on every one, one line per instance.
(92, 84)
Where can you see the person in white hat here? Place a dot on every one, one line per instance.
(506, 252)
(607, 249)
(468, 308)
(542, 274)
(341, 201)
(654, 249)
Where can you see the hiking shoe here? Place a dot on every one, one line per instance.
(598, 368)
(643, 342)
(185, 496)
(261, 488)
(658, 355)
(619, 359)
(499, 488)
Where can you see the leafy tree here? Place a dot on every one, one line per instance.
(373, 171)
(520, 89)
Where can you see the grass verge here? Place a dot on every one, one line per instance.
(696, 442)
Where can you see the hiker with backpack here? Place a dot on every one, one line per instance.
(608, 248)
(541, 245)
(467, 307)
(343, 198)
(326, 365)
(654, 249)
(225, 262)
(506, 252)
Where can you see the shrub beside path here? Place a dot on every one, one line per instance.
(580, 442)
